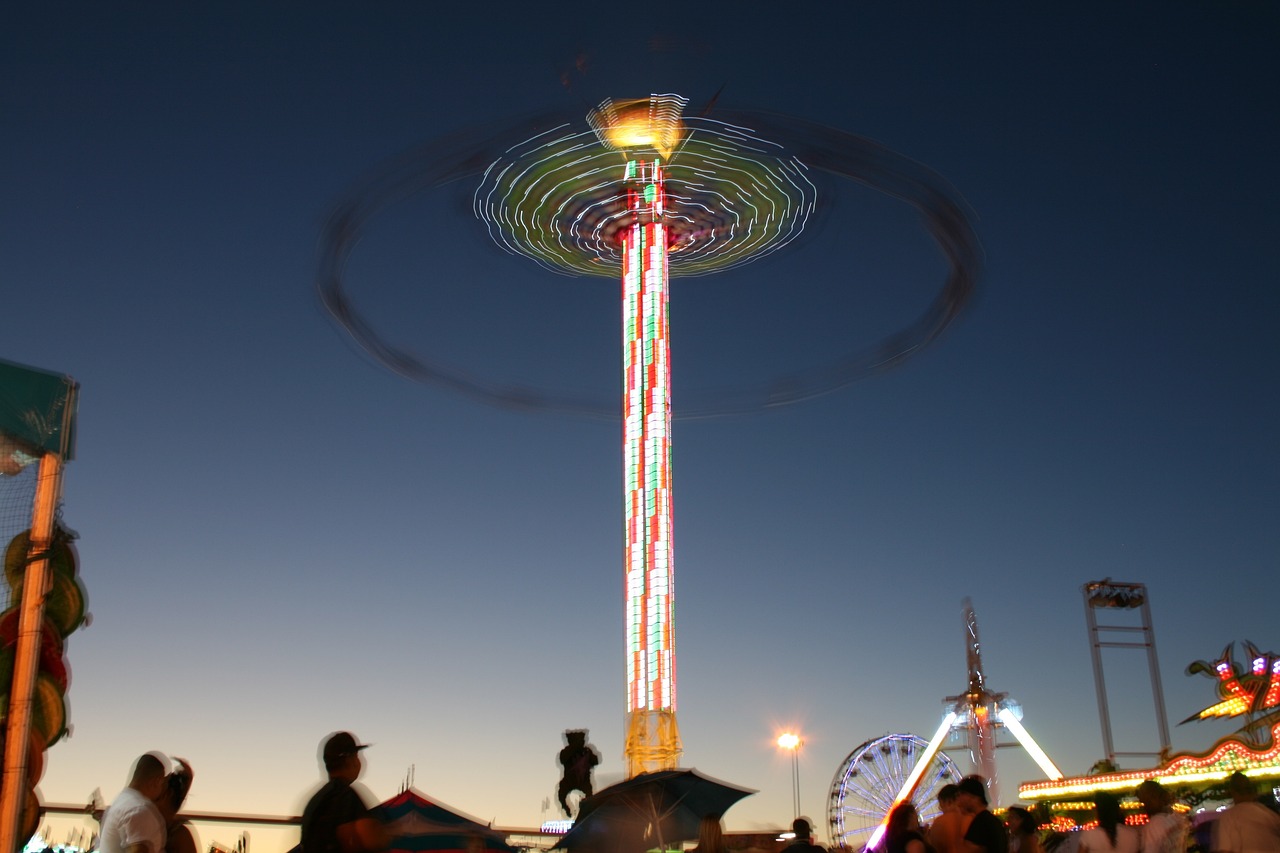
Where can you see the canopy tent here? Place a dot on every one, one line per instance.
(416, 824)
(37, 413)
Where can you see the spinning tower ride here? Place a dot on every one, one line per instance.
(690, 196)
(645, 139)
(652, 191)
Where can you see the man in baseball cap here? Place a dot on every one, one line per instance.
(986, 832)
(337, 819)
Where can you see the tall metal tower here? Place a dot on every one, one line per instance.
(979, 714)
(1119, 597)
(645, 132)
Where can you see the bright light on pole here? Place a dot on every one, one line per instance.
(792, 742)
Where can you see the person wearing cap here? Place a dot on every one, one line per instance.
(986, 832)
(132, 823)
(337, 819)
(803, 840)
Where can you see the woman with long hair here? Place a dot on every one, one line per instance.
(1111, 834)
(711, 836)
(1024, 836)
(902, 831)
(177, 784)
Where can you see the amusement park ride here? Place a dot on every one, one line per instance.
(888, 770)
(690, 194)
(643, 192)
(649, 228)
(862, 791)
(646, 192)
(1250, 690)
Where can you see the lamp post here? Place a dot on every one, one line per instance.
(792, 742)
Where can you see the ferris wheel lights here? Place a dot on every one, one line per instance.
(863, 792)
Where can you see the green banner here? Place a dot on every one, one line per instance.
(37, 412)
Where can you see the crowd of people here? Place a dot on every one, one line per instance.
(966, 825)
(144, 818)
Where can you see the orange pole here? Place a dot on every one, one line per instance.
(35, 588)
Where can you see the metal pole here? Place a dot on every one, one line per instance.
(1157, 691)
(795, 781)
(1100, 685)
(35, 587)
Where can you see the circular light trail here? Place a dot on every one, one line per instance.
(740, 186)
(731, 197)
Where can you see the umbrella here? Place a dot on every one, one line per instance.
(649, 810)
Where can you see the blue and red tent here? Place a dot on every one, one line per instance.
(417, 825)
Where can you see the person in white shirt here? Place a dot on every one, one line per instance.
(1164, 831)
(132, 823)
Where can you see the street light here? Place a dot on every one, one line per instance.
(791, 741)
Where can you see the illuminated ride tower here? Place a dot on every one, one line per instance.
(645, 132)
(648, 193)
(643, 190)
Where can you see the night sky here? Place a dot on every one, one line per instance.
(281, 538)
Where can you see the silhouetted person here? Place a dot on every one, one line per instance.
(176, 787)
(578, 759)
(1248, 826)
(337, 819)
(132, 823)
(803, 841)
(946, 834)
(1024, 836)
(711, 836)
(1164, 831)
(986, 832)
(1111, 834)
(902, 830)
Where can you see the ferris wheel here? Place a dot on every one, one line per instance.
(868, 781)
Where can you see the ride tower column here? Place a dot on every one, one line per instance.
(653, 738)
(645, 132)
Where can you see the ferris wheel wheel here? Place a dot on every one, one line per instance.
(866, 784)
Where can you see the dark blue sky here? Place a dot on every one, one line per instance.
(281, 538)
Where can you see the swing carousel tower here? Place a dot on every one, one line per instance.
(648, 191)
(645, 133)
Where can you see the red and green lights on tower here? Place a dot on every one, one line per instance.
(645, 132)
(650, 193)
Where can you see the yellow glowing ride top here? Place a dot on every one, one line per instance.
(641, 124)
